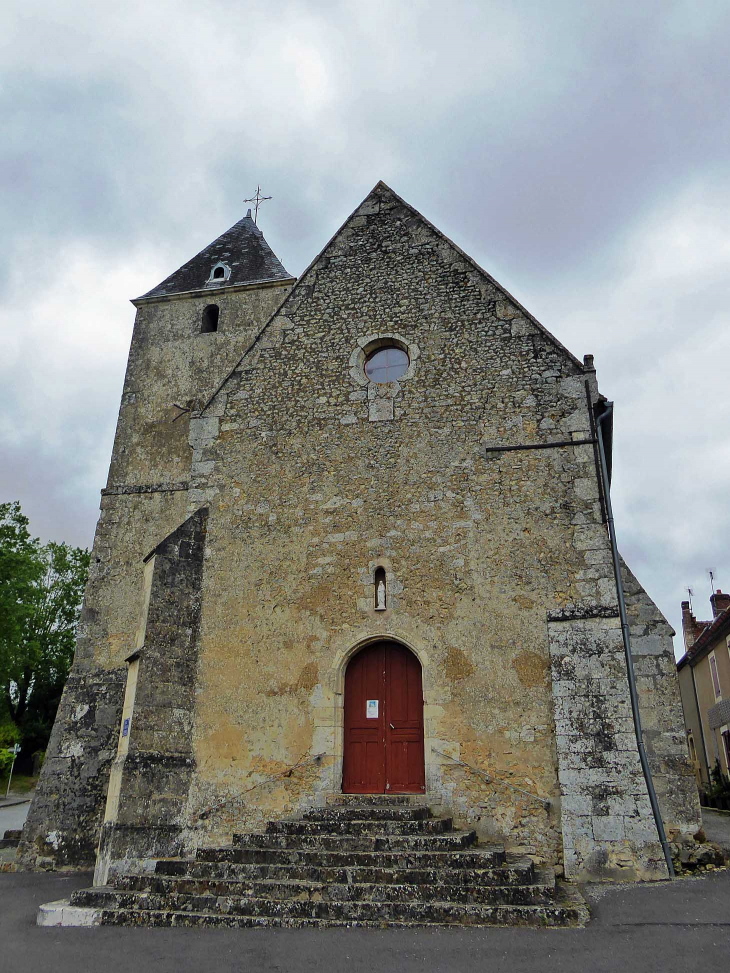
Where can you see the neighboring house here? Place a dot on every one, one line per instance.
(704, 681)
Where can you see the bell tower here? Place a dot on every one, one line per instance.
(189, 331)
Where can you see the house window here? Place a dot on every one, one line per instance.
(726, 741)
(219, 273)
(715, 677)
(383, 359)
(387, 364)
(209, 321)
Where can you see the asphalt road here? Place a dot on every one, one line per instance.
(13, 816)
(664, 928)
(717, 826)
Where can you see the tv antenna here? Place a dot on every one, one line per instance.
(711, 572)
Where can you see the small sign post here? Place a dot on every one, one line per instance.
(15, 750)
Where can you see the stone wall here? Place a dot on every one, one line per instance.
(660, 706)
(64, 820)
(316, 477)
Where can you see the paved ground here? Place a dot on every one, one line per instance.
(13, 814)
(667, 927)
(12, 817)
(717, 826)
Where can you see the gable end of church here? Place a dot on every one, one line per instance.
(380, 566)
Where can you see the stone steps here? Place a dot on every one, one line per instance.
(11, 838)
(338, 891)
(368, 812)
(519, 872)
(359, 861)
(453, 841)
(355, 827)
(469, 858)
(376, 800)
(147, 909)
(535, 916)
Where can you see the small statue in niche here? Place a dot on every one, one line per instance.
(380, 590)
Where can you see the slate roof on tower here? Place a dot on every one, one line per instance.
(243, 250)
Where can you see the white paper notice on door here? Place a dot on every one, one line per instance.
(371, 711)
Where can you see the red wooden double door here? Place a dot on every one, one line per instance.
(383, 722)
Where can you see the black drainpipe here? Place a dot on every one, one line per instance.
(608, 411)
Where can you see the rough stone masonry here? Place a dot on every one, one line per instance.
(259, 480)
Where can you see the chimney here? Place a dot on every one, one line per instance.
(691, 628)
(720, 602)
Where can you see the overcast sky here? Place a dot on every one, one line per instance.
(577, 149)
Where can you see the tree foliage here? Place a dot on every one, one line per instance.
(41, 591)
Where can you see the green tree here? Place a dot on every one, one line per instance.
(41, 590)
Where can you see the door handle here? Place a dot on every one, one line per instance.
(392, 727)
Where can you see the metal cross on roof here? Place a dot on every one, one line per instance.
(257, 199)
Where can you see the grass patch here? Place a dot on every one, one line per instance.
(21, 784)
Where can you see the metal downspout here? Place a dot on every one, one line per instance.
(627, 643)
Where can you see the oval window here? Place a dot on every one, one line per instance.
(387, 364)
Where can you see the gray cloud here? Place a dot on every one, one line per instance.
(578, 151)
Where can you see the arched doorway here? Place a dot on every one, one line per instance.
(383, 751)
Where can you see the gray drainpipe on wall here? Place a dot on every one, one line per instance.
(607, 413)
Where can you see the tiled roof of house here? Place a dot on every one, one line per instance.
(706, 639)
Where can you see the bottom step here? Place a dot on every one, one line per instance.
(568, 909)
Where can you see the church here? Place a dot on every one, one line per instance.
(355, 565)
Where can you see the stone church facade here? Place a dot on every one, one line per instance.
(375, 487)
